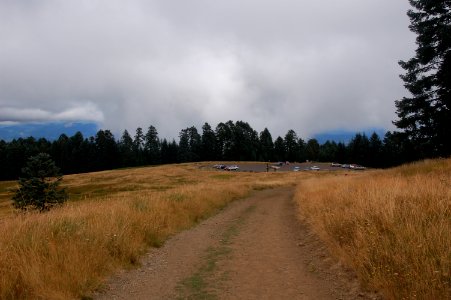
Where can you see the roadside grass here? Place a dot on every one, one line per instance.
(110, 220)
(392, 226)
(6, 193)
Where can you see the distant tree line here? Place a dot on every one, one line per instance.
(230, 141)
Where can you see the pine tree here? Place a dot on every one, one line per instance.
(106, 150)
(425, 117)
(375, 151)
(312, 150)
(291, 146)
(126, 152)
(208, 152)
(152, 146)
(138, 146)
(266, 146)
(39, 186)
(279, 149)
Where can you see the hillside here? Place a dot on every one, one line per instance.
(391, 226)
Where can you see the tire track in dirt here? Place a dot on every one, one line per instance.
(254, 249)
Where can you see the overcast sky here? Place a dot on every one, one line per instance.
(310, 66)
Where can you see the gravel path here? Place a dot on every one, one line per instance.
(254, 249)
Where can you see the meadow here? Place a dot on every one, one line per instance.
(112, 218)
(391, 226)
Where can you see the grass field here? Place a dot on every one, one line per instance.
(393, 226)
(112, 218)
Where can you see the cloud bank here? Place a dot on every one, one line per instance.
(310, 66)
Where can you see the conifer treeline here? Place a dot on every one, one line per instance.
(227, 142)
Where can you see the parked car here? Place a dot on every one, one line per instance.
(219, 167)
(232, 168)
(345, 166)
(296, 169)
(335, 165)
(314, 168)
(359, 167)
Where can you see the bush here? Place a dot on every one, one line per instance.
(39, 186)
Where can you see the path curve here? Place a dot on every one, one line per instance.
(254, 249)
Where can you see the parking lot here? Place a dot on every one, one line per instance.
(277, 167)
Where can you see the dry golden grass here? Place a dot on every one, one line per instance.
(6, 193)
(112, 218)
(393, 227)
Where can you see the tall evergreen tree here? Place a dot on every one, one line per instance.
(189, 145)
(375, 151)
(106, 150)
(126, 150)
(224, 140)
(328, 151)
(312, 150)
(61, 152)
(152, 146)
(266, 146)
(195, 143)
(77, 153)
(208, 152)
(280, 153)
(184, 154)
(138, 146)
(341, 155)
(291, 145)
(244, 142)
(169, 152)
(359, 149)
(425, 117)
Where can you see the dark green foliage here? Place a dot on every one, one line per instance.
(126, 150)
(292, 146)
(169, 152)
(328, 151)
(190, 145)
(138, 146)
(279, 149)
(359, 149)
(230, 141)
(39, 186)
(312, 150)
(266, 146)
(107, 154)
(152, 146)
(375, 151)
(208, 147)
(244, 143)
(224, 140)
(425, 117)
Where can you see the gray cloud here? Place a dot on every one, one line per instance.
(81, 112)
(288, 64)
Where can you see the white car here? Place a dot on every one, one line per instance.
(314, 168)
(296, 169)
(232, 168)
(359, 167)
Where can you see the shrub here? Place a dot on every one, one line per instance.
(39, 186)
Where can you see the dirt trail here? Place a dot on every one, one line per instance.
(254, 249)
